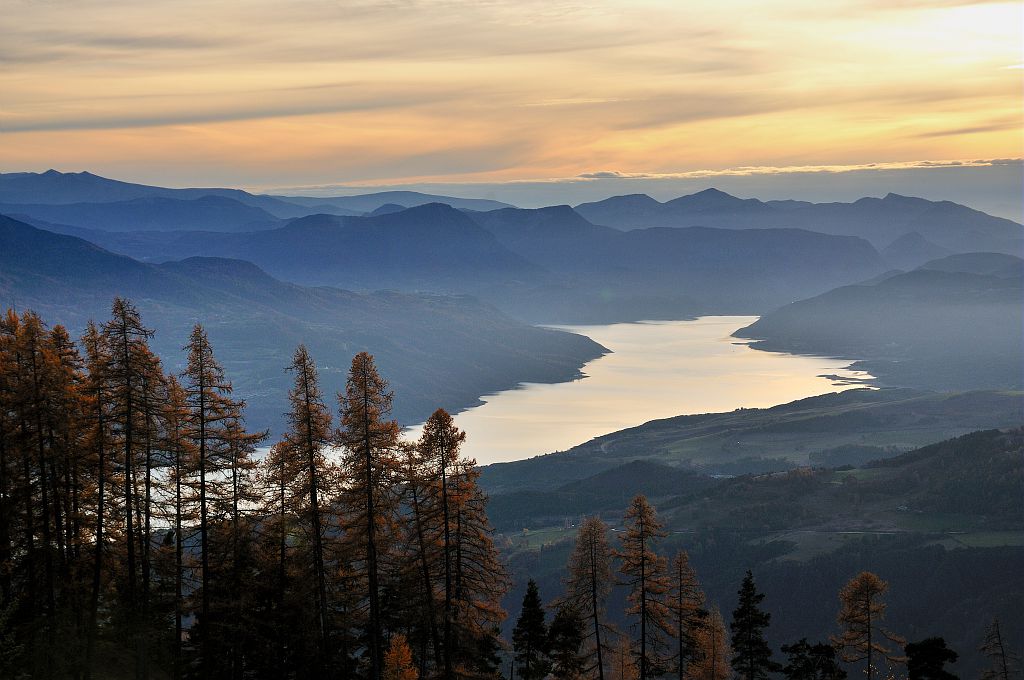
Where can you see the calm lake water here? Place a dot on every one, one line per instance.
(656, 369)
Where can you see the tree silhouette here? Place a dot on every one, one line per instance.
(530, 637)
(587, 586)
(645, 573)
(811, 662)
(926, 660)
(752, 658)
(861, 613)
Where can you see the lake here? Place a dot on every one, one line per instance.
(656, 369)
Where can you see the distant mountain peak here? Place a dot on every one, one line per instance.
(711, 199)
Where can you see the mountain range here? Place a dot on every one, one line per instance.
(60, 188)
(543, 265)
(881, 221)
(436, 350)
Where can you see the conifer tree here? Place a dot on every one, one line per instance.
(424, 547)
(180, 456)
(97, 407)
(309, 435)
(587, 586)
(861, 613)
(927, 659)
(474, 578)
(398, 663)
(220, 443)
(711, 661)
(565, 642)
(685, 603)
(805, 661)
(438, 448)
(530, 637)
(369, 442)
(623, 660)
(752, 658)
(646, 576)
(1003, 662)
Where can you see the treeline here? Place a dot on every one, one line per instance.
(141, 536)
(676, 633)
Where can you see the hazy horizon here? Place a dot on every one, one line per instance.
(992, 186)
(532, 99)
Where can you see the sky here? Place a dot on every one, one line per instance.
(538, 99)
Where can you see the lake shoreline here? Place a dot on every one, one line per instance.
(652, 369)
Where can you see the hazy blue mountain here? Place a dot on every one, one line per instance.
(948, 225)
(366, 203)
(386, 209)
(436, 350)
(690, 269)
(548, 264)
(153, 213)
(911, 250)
(54, 188)
(985, 264)
(940, 326)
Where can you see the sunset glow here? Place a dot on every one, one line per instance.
(312, 92)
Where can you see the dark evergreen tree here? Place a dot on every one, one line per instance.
(565, 643)
(927, 659)
(805, 661)
(530, 637)
(752, 657)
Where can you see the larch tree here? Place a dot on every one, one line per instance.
(438, 449)
(587, 587)
(213, 427)
(398, 662)
(645, 573)
(308, 437)
(860, 616)
(181, 454)
(530, 637)
(134, 380)
(623, 660)
(98, 444)
(685, 603)
(1004, 663)
(472, 580)
(752, 657)
(423, 540)
(479, 580)
(369, 443)
(711, 661)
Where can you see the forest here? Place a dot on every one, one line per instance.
(145, 532)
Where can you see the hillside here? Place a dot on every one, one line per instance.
(830, 430)
(943, 524)
(881, 221)
(436, 351)
(942, 326)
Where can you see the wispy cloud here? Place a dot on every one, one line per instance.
(795, 169)
(326, 91)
